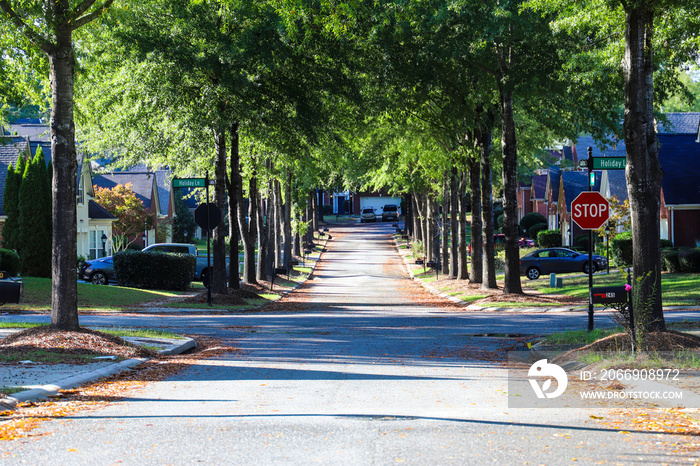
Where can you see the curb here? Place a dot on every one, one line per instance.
(52, 389)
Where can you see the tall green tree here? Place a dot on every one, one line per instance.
(10, 229)
(35, 219)
(184, 226)
(48, 27)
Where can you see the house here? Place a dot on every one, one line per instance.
(524, 202)
(153, 188)
(571, 184)
(551, 193)
(679, 155)
(93, 222)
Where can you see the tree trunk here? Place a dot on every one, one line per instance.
(429, 228)
(64, 288)
(278, 224)
(218, 275)
(287, 227)
(261, 267)
(408, 215)
(489, 272)
(476, 274)
(454, 223)
(462, 269)
(510, 200)
(445, 259)
(232, 187)
(417, 230)
(309, 218)
(315, 211)
(246, 229)
(643, 170)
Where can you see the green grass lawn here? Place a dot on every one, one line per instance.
(37, 296)
(677, 289)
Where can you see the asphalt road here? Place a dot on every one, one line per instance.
(359, 374)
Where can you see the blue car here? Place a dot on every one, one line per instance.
(98, 271)
(558, 260)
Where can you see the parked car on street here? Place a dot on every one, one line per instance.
(368, 215)
(97, 271)
(558, 260)
(390, 212)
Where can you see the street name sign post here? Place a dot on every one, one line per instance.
(609, 163)
(590, 210)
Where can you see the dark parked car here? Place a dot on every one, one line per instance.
(98, 271)
(390, 212)
(558, 260)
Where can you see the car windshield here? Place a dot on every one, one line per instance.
(388, 208)
(368, 211)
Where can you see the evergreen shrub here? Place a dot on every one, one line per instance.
(9, 262)
(621, 247)
(549, 238)
(690, 260)
(154, 270)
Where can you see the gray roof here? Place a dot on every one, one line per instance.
(539, 184)
(164, 185)
(618, 184)
(553, 177)
(34, 131)
(680, 123)
(679, 155)
(141, 183)
(96, 211)
(613, 147)
(576, 182)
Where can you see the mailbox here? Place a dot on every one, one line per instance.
(10, 290)
(608, 295)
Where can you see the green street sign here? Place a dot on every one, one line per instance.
(609, 163)
(189, 183)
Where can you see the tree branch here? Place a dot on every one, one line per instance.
(83, 20)
(36, 39)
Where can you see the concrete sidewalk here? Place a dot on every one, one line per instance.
(44, 380)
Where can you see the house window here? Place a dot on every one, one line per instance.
(96, 250)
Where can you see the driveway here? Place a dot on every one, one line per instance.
(350, 370)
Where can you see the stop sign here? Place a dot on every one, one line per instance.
(207, 216)
(590, 210)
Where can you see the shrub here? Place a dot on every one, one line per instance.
(9, 262)
(535, 229)
(690, 260)
(581, 241)
(669, 260)
(665, 243)
(154, 270)
(326, 210)
(530, 220)
(621, 247)
(549, 238)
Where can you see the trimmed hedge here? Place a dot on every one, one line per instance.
(581, 241)
(549, 238)
(535, 229)
(9, 262)
(665, 243)
(154, 270)
(621, 247)
(669, 260)
(530, 220)
(690, 260)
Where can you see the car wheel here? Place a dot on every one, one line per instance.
(533, 273)
(98, 278)
(585, 268)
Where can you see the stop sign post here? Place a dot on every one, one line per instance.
(590, 210)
